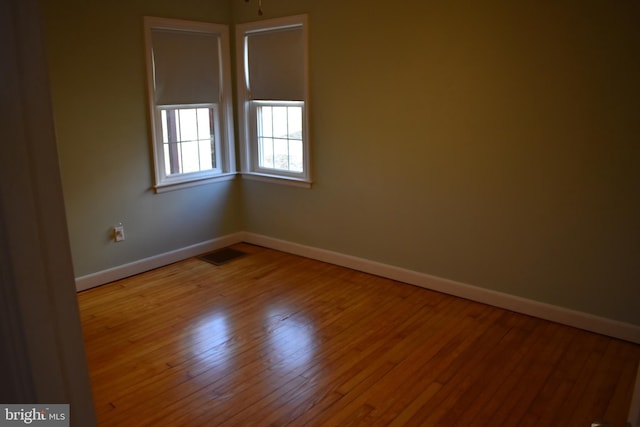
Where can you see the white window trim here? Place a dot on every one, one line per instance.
(248, 142)
(253, 133)
(226, 170)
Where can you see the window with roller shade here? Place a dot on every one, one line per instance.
(189, 101)
(273, 99)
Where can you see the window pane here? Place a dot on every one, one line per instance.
(265, 121)
(266, 153)
(188, 125)
(205, 130)
(295, 155)
(190, 156)
(280, 143)
(172, 158)
(281, 154)
(280, 122)
(170, 125)
(190, 144)
(295, 122)
(163, 119)
(167, 163)
(206, 154)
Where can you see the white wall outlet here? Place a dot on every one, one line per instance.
(118, 233)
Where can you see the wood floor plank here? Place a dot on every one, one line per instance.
(464, 373)
(604, 382)
(457, 309)
(499, 364)
(367, 336)
(274, 339)
(620, 400)
(538, 371)
(411, 373)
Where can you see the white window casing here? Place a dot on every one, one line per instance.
(272, 65)
(190, 105)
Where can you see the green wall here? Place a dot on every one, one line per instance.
(98, 80)
(493, 143)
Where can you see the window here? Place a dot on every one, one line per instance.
(189, 139)
(189, 102)
(279, 136)
(273, 97)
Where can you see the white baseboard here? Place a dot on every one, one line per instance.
(146, 264)
(589, 322)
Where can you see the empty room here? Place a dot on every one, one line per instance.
(416, 212)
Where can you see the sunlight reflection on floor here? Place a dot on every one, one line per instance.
(290, 340)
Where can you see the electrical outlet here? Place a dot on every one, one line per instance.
(118, 233)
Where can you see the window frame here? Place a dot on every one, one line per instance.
(216, 135)
(254, 134)
(223, 120)
(247, 106)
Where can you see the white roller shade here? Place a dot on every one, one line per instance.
(275, 61)
(186, 67)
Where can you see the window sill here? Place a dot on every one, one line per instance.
(170, 186)
(276, 179)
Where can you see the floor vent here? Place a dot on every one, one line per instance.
(222, 256)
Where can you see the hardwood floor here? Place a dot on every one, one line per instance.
(276, 339)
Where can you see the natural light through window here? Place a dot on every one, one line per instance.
(188, 139)
(280, 145)
(273, 100)
(190, 108)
